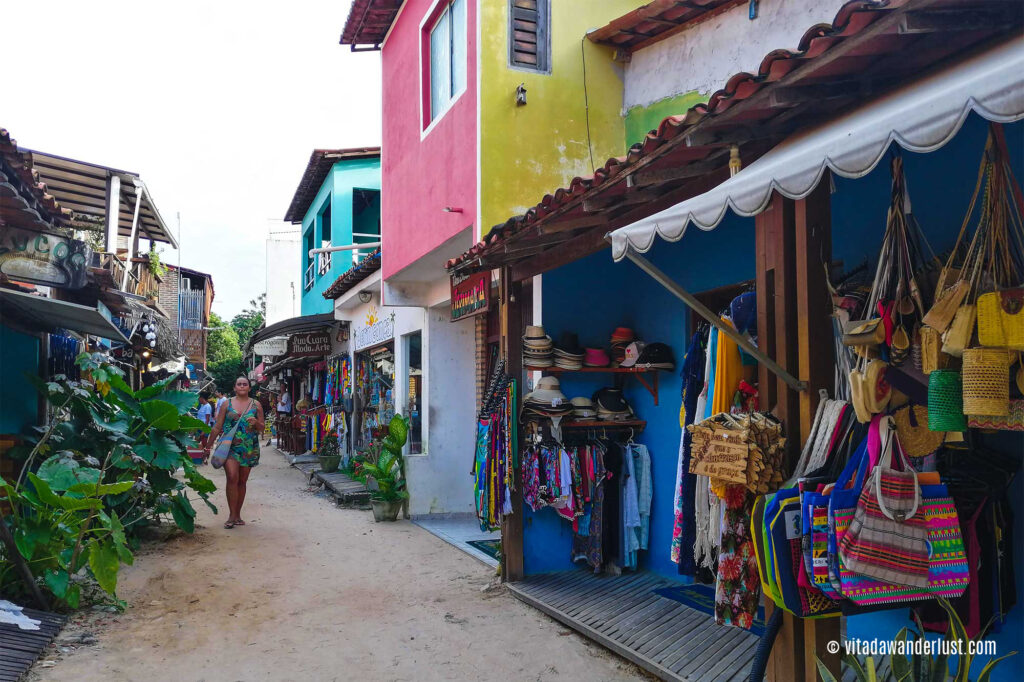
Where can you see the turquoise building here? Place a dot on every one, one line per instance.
(337, 203)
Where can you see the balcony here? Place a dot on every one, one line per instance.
(140, 281)
(325, 263)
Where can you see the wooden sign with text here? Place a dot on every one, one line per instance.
(715, 455)
(471, 295)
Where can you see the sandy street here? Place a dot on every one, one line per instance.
(307, 591)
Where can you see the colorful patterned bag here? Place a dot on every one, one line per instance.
(948, 574)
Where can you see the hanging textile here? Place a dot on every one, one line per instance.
(588, 540)
(728, 372)
(684, 526)
(637, 491)
(738, 585)
(494, 462)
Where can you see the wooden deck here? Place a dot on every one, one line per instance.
(346, 492)
(19, 649)
(661, 635)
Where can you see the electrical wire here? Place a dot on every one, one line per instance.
(586, 103)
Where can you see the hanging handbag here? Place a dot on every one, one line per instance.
(223, 450)
(948, 574)
(877, 391)
(946, 304)
(961, 330)
(864, 333)
(931, 350)
(1001, 319)
(887, 539)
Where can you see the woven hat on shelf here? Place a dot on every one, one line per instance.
(583, 408)
(535, 337)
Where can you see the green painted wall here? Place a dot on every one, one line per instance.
(641, 120)
(18, 398)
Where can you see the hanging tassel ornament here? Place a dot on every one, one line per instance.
(734, 160)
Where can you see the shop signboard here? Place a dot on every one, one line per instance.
(471, 295)
(376, 331)
(309, 344)
(717, 453)
(271, 347)
(43, 258)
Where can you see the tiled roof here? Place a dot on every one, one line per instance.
(24, 200)
(656, 21)
(868, 49)
(320, 163)
(368, 22)
(354, 275)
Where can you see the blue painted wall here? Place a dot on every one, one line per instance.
(594, 295)
(18, 398)
(336, 191)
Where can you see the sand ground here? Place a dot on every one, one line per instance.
(307, 591)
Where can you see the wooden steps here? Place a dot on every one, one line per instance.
(19, 649)
(346, 491)
(661, 635)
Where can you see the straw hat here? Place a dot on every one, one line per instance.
(534, 337)
(547, 393)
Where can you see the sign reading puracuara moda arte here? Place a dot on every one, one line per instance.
(471, 295)
(309, 344)
(43, 258)
(375, 332)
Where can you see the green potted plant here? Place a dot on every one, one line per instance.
(329, 454)
(385, 476)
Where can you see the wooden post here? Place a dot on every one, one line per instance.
(794, 241)
(813, 228)
(511, 321)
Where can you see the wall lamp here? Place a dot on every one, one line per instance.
(365, 296)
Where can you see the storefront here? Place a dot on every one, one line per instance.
(818, 205)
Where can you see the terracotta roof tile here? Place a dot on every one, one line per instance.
(354, 275)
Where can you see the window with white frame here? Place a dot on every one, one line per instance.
(447, 56)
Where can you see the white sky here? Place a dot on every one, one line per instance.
(216, 104)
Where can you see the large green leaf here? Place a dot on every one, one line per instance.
(62, 472)
(155, 389)
(160, 414)
(104, 563)
(183, 513)
(168, 452)
(398, 429)
(187, 421)
(104, 488)
(146, 451)
(29, 535)
(161, 480)
(986, 672)
(183, 400)
(57, 581)
(116, 425)
(47, 496)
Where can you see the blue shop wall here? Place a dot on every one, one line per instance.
(18, 398)
(592, 297)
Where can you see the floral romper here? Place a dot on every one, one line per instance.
(245, 446)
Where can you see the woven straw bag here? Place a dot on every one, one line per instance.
(946, 401)
(912, 427)
(1001, 319)
(986, 378)
(1014, 421)
(932, 357)
(958, 336)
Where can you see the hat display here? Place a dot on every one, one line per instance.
(632, 354)
(611, 406)
(583, 409)
(568, 353)
(537, 347)
(656, 356)
(547, 400)
(621, 337)
(596, 357)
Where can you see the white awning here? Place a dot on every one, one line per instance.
(921, 117)
(50, 314)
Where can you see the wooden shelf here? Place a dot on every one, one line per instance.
(651, 387)
(636, 424)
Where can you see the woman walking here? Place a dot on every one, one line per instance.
(245, 446)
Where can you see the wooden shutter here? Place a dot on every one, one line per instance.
(528, 34)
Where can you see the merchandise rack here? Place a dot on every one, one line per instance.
(652, 387)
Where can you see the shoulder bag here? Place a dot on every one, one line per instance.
(223, 449)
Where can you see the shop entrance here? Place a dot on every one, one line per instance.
(374, 393)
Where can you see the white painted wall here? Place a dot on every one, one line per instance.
(703, 57)
(284, 289)
(439, 480)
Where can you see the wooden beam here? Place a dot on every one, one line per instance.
(629, 198)
(714, 161)
(511, 312)
(587, 243)
(573, 223)
(950, 20)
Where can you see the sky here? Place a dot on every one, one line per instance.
(217, 105)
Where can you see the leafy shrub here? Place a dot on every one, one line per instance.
(104, 467)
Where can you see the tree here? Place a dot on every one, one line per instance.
(222, 344)
(250, 320)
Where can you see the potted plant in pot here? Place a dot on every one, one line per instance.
(329, 454)
(385, 475)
